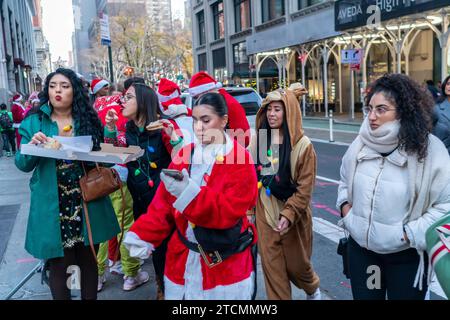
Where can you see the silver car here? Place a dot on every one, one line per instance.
(250, 100)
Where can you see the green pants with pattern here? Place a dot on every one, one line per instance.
(130, 266)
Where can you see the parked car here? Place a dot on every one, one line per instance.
(250, 100)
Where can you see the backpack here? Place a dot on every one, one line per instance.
(5, 121)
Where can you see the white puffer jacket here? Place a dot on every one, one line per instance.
(381, 199)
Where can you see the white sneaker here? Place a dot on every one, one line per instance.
(116, 269)
(101, 282)
(131, 283)
(315, 296)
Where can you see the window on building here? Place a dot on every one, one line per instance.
(242, 15)
(219, 64)
(219, 20)
(202, 64)
(201, 28)
(307, 3)
(240, 58)
(272, 9)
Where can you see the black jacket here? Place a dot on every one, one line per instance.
(155, 152)
(441, 123)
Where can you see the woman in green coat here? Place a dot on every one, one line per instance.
(56, 228)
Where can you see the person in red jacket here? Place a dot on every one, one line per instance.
(209, 254)
(18, 112)
(202, 83)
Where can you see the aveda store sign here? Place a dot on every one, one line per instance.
(356, 13)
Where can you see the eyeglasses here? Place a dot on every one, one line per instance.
(126, 98)
(379, 111)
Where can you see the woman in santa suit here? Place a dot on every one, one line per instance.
(209, 255)
(18, 112)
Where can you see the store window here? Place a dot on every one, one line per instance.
(202, 63)
(307, 3)
(240, 58)
(272, 9)
(219, 20)
(219, 64)
(201, 28)
(242, 15)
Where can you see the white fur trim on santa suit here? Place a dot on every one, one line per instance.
(175, 110)
(185, 125)
(99, 86)
(174, 95)
(19, 98)
(137, 247)
(187, 196)
(195, 91)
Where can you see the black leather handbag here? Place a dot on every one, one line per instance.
(342, 250)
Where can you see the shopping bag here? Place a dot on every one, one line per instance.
(438, 247)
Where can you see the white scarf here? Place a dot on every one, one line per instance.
(384, 139)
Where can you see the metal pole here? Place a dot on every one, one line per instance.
(352, 93)
(331, 126)
(111, 70)
(304, 83)
(325, 80)
(340, 81)
(36, 269)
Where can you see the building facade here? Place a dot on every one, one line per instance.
(160, 11)
(17, 49)
(85, 13)
(43, 57)
(270, 43)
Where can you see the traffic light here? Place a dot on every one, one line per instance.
(128, 71)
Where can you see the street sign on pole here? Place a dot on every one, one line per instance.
(104, 29)
(353, 56)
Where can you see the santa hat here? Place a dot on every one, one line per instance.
(202, 82)
(169, 97)
(34, 97)
(17, 98)
(98, 84)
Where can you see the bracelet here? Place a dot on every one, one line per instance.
(174, 144)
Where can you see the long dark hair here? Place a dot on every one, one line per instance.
(147, 105)
(414, 110)
(284, 165)
(84, 116)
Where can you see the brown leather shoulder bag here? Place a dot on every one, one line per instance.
(97, 183)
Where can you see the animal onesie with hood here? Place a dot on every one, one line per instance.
(286, 257)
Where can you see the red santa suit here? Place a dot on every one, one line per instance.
(18, 112)
(237, 119)
(102, 105)
(218, 195)
(178, 113)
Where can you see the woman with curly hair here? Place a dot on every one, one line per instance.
(56, 226)
(395, 182)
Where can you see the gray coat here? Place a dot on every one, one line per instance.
(441, 123)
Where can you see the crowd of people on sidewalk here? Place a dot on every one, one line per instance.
(208, 196)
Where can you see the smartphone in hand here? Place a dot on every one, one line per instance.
(176, 174)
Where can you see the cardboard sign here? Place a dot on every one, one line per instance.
(107, 154)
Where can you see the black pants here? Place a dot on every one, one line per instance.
(62, 268)
(398, 271)
(9, 138)
(140, 207)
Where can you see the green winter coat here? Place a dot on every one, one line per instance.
(43, 239)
